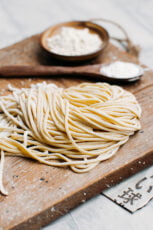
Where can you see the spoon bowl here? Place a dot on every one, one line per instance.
(120, 72)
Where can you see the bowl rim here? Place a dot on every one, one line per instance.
(100, 30)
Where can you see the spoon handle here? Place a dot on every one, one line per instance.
(40, 70)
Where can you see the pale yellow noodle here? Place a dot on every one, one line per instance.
(77, 127)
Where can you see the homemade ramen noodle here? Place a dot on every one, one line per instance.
(77, 127)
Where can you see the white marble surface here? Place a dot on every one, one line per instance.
(22, 18)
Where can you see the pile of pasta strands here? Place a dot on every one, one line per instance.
(77, 127)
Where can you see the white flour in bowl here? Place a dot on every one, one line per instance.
(74, 42)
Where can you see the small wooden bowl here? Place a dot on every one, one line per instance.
(93, 28)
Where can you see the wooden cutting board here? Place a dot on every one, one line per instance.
(38, 194)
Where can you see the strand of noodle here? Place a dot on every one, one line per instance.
(2, 189)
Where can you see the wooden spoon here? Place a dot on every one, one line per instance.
(40, 70)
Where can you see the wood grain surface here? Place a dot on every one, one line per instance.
(38, 194)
